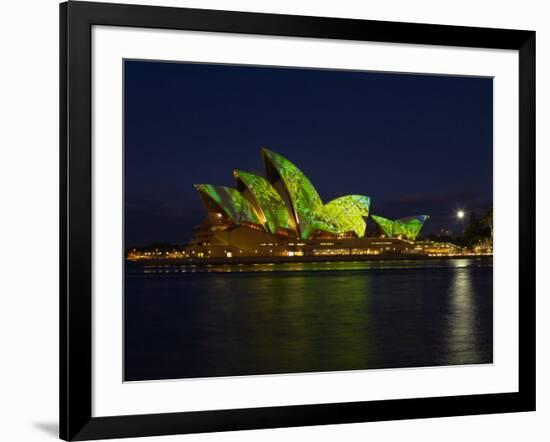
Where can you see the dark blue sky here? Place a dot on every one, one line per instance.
(416, 144)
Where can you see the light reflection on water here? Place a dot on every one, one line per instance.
(464, 317)
(297, 319)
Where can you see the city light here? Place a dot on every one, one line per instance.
(460, 214)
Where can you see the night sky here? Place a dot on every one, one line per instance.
(416, 144)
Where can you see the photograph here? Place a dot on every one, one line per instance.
(264, 221)
(290, 220)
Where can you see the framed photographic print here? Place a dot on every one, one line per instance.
(272, 221)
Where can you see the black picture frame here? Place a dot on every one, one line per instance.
(76, 21)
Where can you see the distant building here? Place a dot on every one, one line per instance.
(282, 214)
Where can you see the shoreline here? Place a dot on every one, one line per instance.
(295, 259)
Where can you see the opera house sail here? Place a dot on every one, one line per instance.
(282, 214)
(408, 227)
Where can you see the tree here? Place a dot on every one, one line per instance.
(476, 231)
(487, 220)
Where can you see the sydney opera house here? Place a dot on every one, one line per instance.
(282, 215)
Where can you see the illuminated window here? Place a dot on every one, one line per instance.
(330, 252)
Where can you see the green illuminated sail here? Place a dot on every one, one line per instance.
(408, 227)
(269, 205)
(230, 201)
(299, 195)
(386, 225)
(349, 212)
